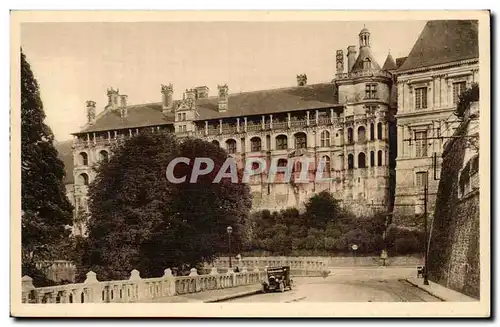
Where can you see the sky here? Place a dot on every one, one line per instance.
(76, 62)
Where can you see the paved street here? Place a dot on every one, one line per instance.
(349, 285)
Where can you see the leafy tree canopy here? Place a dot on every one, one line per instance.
(140, 220)
(46, 211)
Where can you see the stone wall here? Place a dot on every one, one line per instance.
(454, 235)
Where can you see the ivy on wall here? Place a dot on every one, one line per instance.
(465, 99)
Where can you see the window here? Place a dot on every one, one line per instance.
(103, 156)
(367, 64)
(421, 179)
(300, 141)
(281, 142)
(371, 91)
(379, 131)
(325, 161)
(84, 179)
(179, 117)
(350, 138)
(372, 159)
(184, 116)
(350, 161)
(282, 162)
(84, 159)
(458, 88)
(325, 139)
(421, 144)
(361, 160)
(231, 146)
(372, 132)
(215, 142)
(421, 98)
(361, 134)
(379, 158)
(256, 144)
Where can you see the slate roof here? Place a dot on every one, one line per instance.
(314, 96)
(443, 41)
(364, 52)
(389, 63)
(400, 61)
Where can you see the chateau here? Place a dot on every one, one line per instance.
(349, 122)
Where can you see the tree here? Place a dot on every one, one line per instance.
(141, 220)
(46, 211)
(322, 208)
(465, 99)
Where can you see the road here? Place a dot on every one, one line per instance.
(349, 285)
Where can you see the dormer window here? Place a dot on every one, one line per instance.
(367, 64)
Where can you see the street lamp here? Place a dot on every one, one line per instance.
(229, 232)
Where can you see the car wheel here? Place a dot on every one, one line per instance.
(282, 287)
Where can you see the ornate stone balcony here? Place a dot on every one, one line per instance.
(363, 73)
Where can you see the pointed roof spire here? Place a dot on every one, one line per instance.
(390, 63)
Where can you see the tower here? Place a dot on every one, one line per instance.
(167, 92)
(223, 97)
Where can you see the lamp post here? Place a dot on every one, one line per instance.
(229, 232)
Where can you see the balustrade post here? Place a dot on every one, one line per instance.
(169, 281)
(26, 287)
(94, 288)
(135, 276)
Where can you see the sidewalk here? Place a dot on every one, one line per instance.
(441, 292)
(213, 295)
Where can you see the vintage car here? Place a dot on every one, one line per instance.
(278, 278)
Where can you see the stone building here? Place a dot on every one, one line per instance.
(346, 122)
(441, 65)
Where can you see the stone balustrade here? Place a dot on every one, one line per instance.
(298, 266)
(137, 289)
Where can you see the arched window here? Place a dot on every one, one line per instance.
(379, 158)
(379, 131)
(372, 159)
(350, 161)
(325, 139)
(231, 146)
(350, 138)
(256, 144)
(361, 134)
(83, 179)
(103, 156)
(372, 132)
(215, 142)
(361, 160)
(281, 142)
(84, 159)
(367, 64)
(325, 161)
(282, 162)
(300, 141)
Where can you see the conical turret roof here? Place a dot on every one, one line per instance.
(390, 63)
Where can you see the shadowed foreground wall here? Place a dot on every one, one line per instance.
(454, 239)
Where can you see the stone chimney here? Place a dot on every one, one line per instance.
(167, 101)
(113, 98)
(351, 57)
(190, 94)
(301, 80)
(340, 61)
(123, 106)
(223, 97)
(90, 112)
(201, 92)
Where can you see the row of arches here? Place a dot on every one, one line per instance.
(362, 160)
(281, 142)
(362, 133)
(83, 157)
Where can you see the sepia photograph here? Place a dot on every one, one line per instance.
(181, 164)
